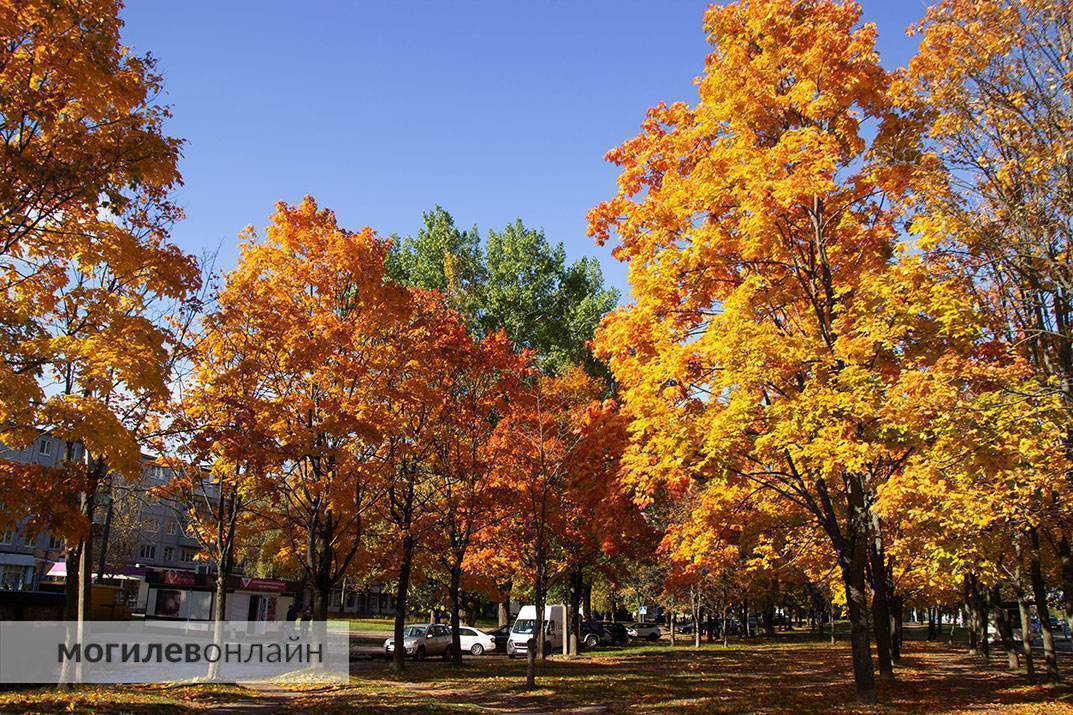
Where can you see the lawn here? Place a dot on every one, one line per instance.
(386, 625)
(781, 676)
(122, 699)
(776, 677)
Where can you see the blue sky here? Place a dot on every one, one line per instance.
(382, 108)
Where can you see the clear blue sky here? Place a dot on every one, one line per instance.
(494, 109)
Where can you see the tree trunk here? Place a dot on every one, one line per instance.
(969, 613)
(504, 605)
(881, 625)
(106, 534)
(574, 625)
(896, 617)
(853, 551)
(694, 605)
(674, 633)
(218, 617)
(832, 622)
(768, 615)
(881, 612)
(535, 647)
(931, 624)
(1026, 633)
(1005, 629)
(398, 658)
(1043, 613)
(454, 590)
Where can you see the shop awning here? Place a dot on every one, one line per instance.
(17, 560)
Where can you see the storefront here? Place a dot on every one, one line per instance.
(188, 596)
(17, 572)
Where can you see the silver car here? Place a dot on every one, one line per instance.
(645, 631)
(421, 641)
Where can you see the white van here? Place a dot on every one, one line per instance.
(525, 625)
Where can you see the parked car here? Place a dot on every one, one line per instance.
(684, 627)
(501, 635)
(643, 631)
(594, 634)
(423, 640)
(475, 641)
(617, 632)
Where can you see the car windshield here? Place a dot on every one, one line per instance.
(414, 631)
(524, 625)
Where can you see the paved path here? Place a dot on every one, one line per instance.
(268, 699)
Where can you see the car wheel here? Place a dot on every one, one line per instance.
(547, 649)
(420, 654)
(510, 655)
(653, 637)
(447, 653)
(591, 641)
(477, 649)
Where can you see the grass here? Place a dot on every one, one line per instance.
(778, 676)
(788, 674)
(122, 698)
(387, 624)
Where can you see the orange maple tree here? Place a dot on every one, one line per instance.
(778, 328)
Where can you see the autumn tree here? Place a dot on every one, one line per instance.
(991, 91)
(773, 305)
(551, 435)
(482, 379)
(88, 271)
(312, 329)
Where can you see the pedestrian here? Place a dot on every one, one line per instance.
(307, 617)
(292, 616)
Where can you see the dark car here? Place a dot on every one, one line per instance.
(594, 634)
(617, 633)
(501, 635)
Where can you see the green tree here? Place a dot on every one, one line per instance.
(517, 282)
(542, 302)
(442, 257)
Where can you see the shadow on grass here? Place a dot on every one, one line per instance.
(121, 698)
(777, 675)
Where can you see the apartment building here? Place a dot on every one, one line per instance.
(143, 530)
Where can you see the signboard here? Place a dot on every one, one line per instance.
(180, 578)
(260, 584)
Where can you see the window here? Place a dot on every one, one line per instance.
(172, 527)
(187, 555)
(169, 553)
(151, 524)
(467, 631)
(44, 446)
(55, 542)
(5, 537)
(12, 578)
(148, 551)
